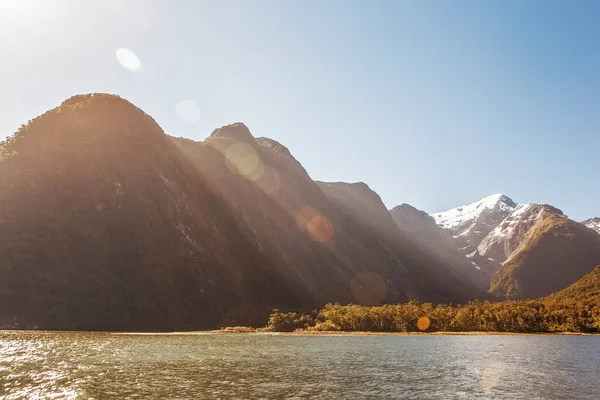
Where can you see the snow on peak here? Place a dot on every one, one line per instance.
(507, 226)
(593, 223)
(462, 215)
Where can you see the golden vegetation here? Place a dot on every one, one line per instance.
(575, 309)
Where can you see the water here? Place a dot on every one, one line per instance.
(116, 366)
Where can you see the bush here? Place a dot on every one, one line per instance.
(238, 329)
(288, 322)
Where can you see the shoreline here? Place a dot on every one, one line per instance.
(307, 333)
(359, 333)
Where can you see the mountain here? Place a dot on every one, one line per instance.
(556, 253)
(470, 223)
(423, 232)
(593, 223)
(109, 224)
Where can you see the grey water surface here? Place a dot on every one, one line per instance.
(81, 365)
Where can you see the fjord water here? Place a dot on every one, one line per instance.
(182, 366)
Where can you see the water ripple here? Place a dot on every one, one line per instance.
(71, 365)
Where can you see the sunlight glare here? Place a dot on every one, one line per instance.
(15, 8)
(491, 375)
(30, 15)
(128, 59)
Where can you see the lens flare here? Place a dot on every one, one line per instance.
(320, 229)
(423, 323)
(188, 111)
(368, 288)
(128, 59)
(242, 159)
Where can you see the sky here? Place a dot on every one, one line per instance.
(431, 103)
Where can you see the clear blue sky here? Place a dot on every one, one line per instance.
(432, 103)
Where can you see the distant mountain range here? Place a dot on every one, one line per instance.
(107, 223)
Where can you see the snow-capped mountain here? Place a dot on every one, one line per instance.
(470, 223)
(460, 217)
(593, 223)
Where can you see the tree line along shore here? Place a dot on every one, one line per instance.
(531, 316)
